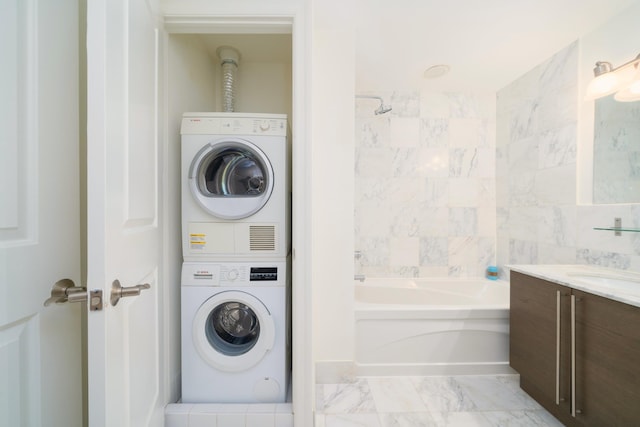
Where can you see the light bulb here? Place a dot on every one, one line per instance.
(603, 85)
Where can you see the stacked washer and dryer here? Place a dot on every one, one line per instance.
(236, 205)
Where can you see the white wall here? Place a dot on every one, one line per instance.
(248, 7)
(332, 176)
(264, 87)
(332, 203)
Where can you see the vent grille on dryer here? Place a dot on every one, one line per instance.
(262, 238)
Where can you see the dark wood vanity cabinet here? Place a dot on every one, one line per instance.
(539, 341)
(577, 354)
(607, 361)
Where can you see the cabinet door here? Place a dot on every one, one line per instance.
(607, 365)
(539, 346)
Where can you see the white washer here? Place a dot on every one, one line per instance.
(235, 334)
(236, 186)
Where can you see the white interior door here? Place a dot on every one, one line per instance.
(124, 340)
(40, 347)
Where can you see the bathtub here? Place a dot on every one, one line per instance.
(429, 326)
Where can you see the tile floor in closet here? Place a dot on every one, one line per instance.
(442, 401)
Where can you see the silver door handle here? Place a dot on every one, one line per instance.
(65, 290)
(118, 291)
(558, 319)
(573, 356)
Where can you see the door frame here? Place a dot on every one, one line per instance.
(299, 25)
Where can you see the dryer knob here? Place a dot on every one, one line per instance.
(264, 125)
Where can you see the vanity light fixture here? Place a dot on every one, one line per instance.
(624, 81)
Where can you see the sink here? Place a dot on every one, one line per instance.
(628, 285)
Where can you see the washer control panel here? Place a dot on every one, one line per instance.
(261, 274)
(234, 274)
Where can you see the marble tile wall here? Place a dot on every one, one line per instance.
(446, 184)
(538, 218)
(425, 185)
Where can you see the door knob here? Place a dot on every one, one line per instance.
(118, 291)
(65, 290)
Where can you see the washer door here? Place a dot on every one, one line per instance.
(231, 178)
(233, 330)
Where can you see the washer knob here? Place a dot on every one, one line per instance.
(232, 275)
(264, 125)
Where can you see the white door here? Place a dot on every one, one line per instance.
(40, 347)
(124, 340)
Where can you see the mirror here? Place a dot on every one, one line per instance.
(616, 151)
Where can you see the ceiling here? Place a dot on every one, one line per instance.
(487, 44)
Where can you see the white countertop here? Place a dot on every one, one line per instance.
(618, 285)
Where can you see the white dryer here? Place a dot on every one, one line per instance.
(236, 186)
(235, 333)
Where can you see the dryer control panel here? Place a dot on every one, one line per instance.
(234, 274)
(234, 124)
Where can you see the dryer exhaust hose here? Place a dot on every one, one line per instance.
(229, 58)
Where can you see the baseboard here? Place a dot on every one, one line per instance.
(335, 371)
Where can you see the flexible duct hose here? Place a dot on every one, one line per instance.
(229, 58)
(229, 69)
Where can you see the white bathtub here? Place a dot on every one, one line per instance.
(430, 326)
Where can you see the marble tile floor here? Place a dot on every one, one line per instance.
(445, 401)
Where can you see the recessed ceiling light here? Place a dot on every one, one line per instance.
(436, 71)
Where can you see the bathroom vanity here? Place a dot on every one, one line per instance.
(575, 341)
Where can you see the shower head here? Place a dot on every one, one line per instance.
(383, 108)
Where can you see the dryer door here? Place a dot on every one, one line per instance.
(231, 178)
(233, 330)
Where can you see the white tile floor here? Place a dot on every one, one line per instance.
(228, 415)
(447, 401)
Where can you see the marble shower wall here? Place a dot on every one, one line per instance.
(538, 219)
(425, 185)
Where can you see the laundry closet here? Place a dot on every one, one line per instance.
(262, 88)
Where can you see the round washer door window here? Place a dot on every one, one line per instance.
(233, 331)
(231, 178)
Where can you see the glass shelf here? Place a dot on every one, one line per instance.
(631, 230)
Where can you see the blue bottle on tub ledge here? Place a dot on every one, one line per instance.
(492, 272)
